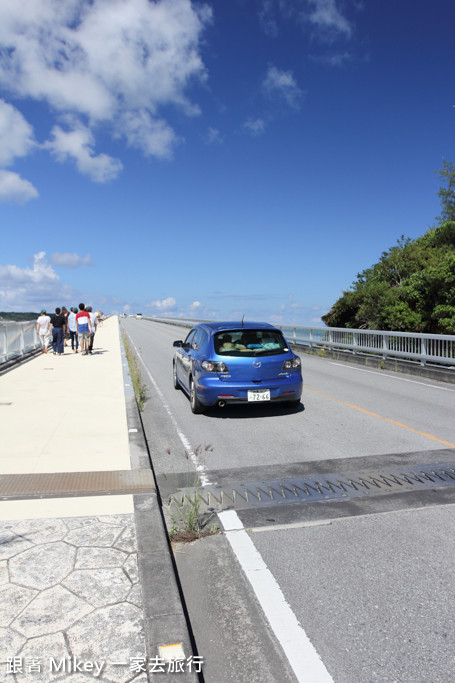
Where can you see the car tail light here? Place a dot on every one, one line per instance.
(292, 363)
(214, 366)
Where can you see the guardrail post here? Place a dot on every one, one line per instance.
(3, 342)
(354, 341)
(423, 350)
(385, 345)
(22, 341)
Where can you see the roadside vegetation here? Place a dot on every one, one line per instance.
(17, 317)
(188, 521)
(412, 287)
(135, 373)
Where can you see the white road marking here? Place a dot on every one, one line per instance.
(201, 469)
(302, 656)
(348, 518)
(293, 525)
(402, 379)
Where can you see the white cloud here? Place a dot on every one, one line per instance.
(41, 273)
(15, 189)
(195, 306)
(153, 136)
(16, 135)
(64, 52)
(267, 18)
(325, 15)
(255, 127)
(164, 304)
(70, 260)
(336, 59)
(282, 84)
(36, 287)
(16, 140)
(33, 288)
(115, 62)
(77, 144)
(214, 137)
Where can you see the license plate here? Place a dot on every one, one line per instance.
(259, 395)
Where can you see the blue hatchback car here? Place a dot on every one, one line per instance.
(223, 363)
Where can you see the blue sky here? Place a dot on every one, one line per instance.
(216, 159)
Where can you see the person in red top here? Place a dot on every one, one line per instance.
(84, 328)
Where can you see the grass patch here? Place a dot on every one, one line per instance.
(188, 522)
(135, 374)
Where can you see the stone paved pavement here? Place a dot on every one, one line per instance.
(87, 583)
(70, 588)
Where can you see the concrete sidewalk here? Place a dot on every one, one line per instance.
(87, 583)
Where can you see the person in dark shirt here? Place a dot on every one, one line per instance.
(66, 333)
(58, 323)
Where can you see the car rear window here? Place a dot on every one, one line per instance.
(250, 343)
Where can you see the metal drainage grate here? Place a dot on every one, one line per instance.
(310, 489)
(75, 484)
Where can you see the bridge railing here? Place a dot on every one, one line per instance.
(16, 339)
(426, 349)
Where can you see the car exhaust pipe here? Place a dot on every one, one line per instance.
(221, 404)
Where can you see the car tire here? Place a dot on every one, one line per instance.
(175, 381)
(196, 406)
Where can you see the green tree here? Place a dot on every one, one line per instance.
(447, 194)
(412, 287)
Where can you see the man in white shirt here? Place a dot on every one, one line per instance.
(72, 326)
(94, 321)
(43, 329)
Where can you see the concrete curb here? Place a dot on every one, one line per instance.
(165, 616)
(19, 360)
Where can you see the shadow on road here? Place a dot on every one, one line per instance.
(233, 412)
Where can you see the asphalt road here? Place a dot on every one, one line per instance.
(352, 589)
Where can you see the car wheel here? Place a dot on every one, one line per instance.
(174, 376)
(196, 406)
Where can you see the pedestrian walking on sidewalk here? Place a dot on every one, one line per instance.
(58, 325)
(72, 328)
(66, 334)
(94, 321)
(43, 328)
(84, 327)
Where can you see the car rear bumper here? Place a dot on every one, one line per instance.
(211, 390)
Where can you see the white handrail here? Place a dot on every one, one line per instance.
(413, 346)
(16, 339)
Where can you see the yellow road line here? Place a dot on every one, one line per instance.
(381, 417)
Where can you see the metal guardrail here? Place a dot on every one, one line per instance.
(426, 349)
(17, 339)
(417, 347)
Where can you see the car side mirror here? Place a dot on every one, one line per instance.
(178, 343)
